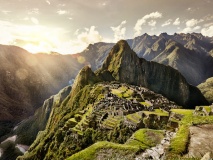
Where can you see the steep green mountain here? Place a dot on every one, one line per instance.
(109, 106)
(27, 80)
(207, 89)
(126, 67)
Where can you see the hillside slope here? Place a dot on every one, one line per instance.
(27, 80)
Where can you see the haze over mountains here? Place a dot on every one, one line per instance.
(27, 80)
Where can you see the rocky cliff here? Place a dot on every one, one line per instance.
(127, 67)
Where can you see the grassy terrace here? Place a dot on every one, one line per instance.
(179, 143)
(157, 112)
(146, 138)
(83, 120)
(134, 118)
(146, 104)
(112, 122)
(91, 152)
(123, 92)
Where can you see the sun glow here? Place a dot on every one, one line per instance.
(41, 47)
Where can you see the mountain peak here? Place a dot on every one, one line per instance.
(126, 67)
(85, 76)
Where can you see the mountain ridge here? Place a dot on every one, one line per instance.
(196, 58)
(157, 77)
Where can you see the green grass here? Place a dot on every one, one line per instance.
(135, 117)
(123, 92)
(145, 104)
(112, 122)
(83, 120)
(185, 112)
(161, 112)
(91, 152)
(117, 92)
(146, 138)
(207, 108)
(156, 112)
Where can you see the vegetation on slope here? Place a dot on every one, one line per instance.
(207, 89)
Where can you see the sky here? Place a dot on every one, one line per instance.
(69, 26)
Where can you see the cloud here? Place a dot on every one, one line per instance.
(207, 31)
(90, 35)
(192, 25)
(143, 20)
(119, 31)
(34, 20)
(166, 23)
(190, 29)
(48, 2)
(62, 12)
(208, 24)
(193, 22)
(176, 22)
(152, 23)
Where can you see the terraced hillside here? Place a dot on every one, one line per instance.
(117, 120)
(113, 112)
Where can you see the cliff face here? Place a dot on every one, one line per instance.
(26, 131)
(125, 66)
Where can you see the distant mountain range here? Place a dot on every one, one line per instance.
(190, 54)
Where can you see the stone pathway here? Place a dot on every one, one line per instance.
(157, 152)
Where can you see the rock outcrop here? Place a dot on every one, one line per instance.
(127, 67)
